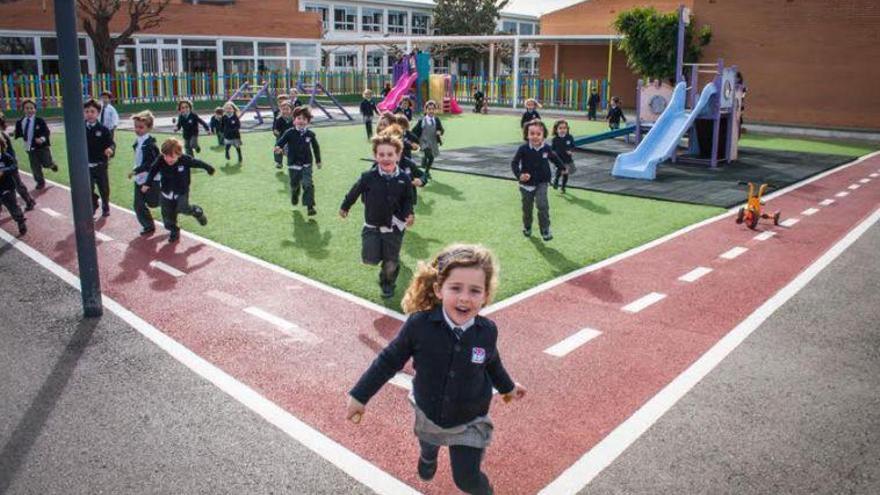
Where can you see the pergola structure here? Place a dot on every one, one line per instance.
(492, 41)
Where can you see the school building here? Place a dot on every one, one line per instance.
(227, 36)
(806, 63)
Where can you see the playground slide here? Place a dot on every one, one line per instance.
(397, 92)
(663, 138)
(453, 105)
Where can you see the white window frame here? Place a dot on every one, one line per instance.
(349, 11)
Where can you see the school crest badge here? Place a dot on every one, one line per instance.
(478, 355)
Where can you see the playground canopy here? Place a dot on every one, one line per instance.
(491, 41)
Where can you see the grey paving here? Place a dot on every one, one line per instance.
(794, 409)
(90, 406)
(675, 182)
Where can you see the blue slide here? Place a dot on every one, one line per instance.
(663, 138)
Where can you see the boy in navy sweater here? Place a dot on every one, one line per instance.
(531, 112)
(99, 142)
(216, 125)
(531, 166)
(174, 186)
(456, 360)
(145, 153)
(368, 109)
(281, 125)
(189, 121)
(388, 210)
(592, 104)
(615, 114)
(8, 167)
(405, 108)
(299, 142)
(35, 134)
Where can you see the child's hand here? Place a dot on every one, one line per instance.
(417, 182)
(145, 188)
(278, 150)
(211, 171)
(108, 152)
(410, 220)
(517, 393)
(40, 140)
(318, 165)
(525, 177)
(343, 213)
(355, 410)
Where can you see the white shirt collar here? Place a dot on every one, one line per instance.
(464, 326)
(538, 148)
(141, 139)
(385, 174)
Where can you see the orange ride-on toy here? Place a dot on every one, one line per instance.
(754, 208)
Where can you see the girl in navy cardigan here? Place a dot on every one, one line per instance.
(456, 360)
(531, 166)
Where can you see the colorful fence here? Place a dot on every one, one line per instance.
(151, 88)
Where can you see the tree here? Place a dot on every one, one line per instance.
(651, 39)
(96, 16)
(466, 17)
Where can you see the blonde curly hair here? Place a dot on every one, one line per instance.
(420, 294)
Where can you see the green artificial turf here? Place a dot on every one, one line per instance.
(249, 209)
(843, 148)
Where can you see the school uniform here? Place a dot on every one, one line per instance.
(145, 154)
(536, 163)
(279, 127)
(368, 109)
(412, 171)
(592, 104)
(408, 139)
(456, 367)
(407, 112)
(189, 123)
(299, 145)
(562, 146)
(16, 177)
(296, 102)
(231, 126)
(174, 190)
(109, 118)
(615, 115)
(426, 130)
(385, 92)
(387, 204)
(7, 191)
(35, 134)
(216, 126)
(98, 139)
(479, 101)
(528, 116)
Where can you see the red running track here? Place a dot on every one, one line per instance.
(325, 341)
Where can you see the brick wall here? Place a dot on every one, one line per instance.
(591, 61)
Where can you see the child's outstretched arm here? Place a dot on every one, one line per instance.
(353, 194)
(204, 124)
(316, 150)
(501, 380)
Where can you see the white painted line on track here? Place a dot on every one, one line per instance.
(585, 469)
(643, 302)
(842, 194)
(170, 270)
(763, 236)
(826, 202)
(695, 274)
(875, 175)
(286, 327)
(52, 213)
(102, 237)
(226, 298)
(572, 342)
(352, 464)
(733, 253)
(865, 180)
(854, 186)
(789, 222)
(810, 211)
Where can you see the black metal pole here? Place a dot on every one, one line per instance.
(77, 157)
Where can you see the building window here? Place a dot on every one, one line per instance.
(272, 50)
(397, 21)
(15, 45)
(243, 66)
(16, 67)
(50, 46)
(508, 27)
(345, 18)
(324, 11)
(374, 62)
(420, 24)
(302, 50)
(238, 48)
(371, 20)
(345, 61)
(526, 29)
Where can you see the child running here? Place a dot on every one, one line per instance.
(417, 177)
(615, 114)
(429, 132)
(280, 126)
(456, 360)
(388, 210)
(189, 121)
(216, 125)
(100, 146)
(29, 202)
(145, 153)
(174, 185)
(562, 145)
(405, 108)
(35, 134)
(531, 167)
(8, 167)
(295, 102)
(231, 126)
(299, 142)
(368, 109)
(531, 112)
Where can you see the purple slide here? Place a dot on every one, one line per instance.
(397, 92)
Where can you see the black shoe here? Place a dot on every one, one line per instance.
(555, 185)
(312, 212)
(388, 292)
(278, 166)
(294, 200)
(527, 232)
(40, 185)
(202, 219)
(174, 236)
(22, 228)
(54, 168)
(547, 236)
(198, 149)
(427, 469)
(29, 205)
(146, 232)
(105, 213)
(227, 157)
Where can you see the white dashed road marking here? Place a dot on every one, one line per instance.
(573, 342)
(826, 202)
(842, 194)
(789, 222)
(695, 274)
(170, 270)
(288, 328)
(52, 213)
(643, 302)
(733, 253)
(763, 236)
